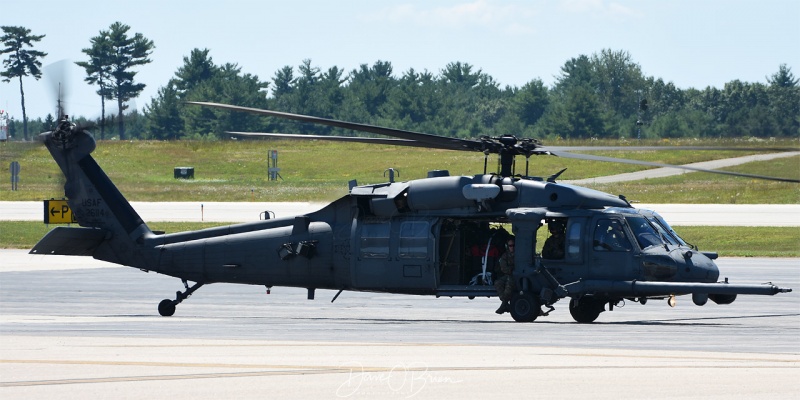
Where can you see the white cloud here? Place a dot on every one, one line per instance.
(494, 15)
(600, 8)
(582, 6)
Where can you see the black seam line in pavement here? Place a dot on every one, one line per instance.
(341, 370)
(243, 366)
(701, 357)
(676, 358)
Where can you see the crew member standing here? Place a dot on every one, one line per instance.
(505, 284)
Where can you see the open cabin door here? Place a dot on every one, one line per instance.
(469, 248)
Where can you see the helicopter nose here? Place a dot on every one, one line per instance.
(696, 266)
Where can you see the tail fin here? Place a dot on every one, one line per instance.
(93, 198)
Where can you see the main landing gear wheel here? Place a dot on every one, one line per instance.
(167, 307)
(525, 307)
(586, 310)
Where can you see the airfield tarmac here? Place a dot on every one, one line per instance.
(74, 327)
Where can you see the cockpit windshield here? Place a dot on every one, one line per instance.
(666, 230)
(665, 234)
(644, 232)
(650, 228)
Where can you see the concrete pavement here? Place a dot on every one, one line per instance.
(86, 329)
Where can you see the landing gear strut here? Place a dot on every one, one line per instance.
(167, 307)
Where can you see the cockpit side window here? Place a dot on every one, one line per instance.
(609, 235)
(574, 241)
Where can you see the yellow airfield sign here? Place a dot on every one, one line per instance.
(58, 212)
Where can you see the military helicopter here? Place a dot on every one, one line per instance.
(439, 236)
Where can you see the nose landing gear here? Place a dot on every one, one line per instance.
(167, 307)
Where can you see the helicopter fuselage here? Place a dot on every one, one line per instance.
(408, 238)
(442, 236)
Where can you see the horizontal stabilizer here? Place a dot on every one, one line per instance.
(65, 241)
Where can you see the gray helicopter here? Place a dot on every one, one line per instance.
(439, 236)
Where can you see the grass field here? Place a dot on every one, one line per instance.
(319, 171)
(705, 188)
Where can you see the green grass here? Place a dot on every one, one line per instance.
(744, 241)
(25, 234)
(319, 171)
(705, 188)
(728, 241)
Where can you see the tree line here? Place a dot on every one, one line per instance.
(113, 55)
(603, 95)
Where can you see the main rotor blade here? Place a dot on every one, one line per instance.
(656, 148)
(57, 77)
(433, 140)
(351, 139)
(660, 165)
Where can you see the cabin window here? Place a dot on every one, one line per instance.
(375, 240)
(574, 241)
(413, 241)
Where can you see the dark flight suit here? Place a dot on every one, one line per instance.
(505, 284)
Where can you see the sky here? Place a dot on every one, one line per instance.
(693, 44)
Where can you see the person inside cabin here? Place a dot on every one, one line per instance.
(554, 245)
(610, 236)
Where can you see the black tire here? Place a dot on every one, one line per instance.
(166, 308)
(586, 310)
(525, 307)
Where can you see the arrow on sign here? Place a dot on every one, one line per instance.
(57, 212)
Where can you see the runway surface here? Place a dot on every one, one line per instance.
(74, 327)
(675, 214)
